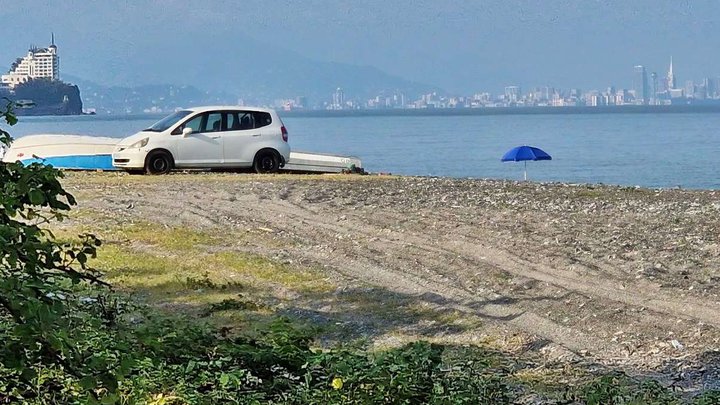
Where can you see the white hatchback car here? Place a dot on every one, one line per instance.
(207, 137)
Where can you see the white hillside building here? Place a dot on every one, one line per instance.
(39, 63)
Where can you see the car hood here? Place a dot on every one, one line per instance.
(134, 138)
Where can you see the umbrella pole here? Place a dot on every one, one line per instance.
(525, 170)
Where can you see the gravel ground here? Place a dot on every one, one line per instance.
(613, 276)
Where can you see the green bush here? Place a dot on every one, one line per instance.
(39, 277)
(708, 398)
(618, 388)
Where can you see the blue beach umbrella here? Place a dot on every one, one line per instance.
(525, 153)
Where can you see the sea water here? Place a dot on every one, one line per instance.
(650, 150)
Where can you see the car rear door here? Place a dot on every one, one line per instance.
(204, 147)
(239, 138)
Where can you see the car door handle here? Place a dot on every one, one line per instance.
(215, 137)
(255, 135)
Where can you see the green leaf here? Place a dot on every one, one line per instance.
(109, 381)
(11, 119)
(88, 382)
(224, 379)
(126, 365)
(109, 399)
(36, 197)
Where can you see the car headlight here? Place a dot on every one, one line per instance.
(139, 144)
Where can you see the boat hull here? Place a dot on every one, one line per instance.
(321, 163)
(75, 162)
(72, 152)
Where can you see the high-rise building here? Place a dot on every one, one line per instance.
(670, 79)
(512, 94)
(710, 87)
(338, 99)
(689, 88)
(38, 63)
(701, 90)
(640, 85)
(301, 102)
(654, 77)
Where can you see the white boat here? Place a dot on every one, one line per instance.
(63, 151)
(321, 163)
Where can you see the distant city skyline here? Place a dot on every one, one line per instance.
(645, 89)
(663, 90)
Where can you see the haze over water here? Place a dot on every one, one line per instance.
(649, 150)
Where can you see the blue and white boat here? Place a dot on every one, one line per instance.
(75, 152)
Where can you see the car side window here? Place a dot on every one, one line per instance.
(246, 121)
(213, 122)
(232, 122)
(239, 121)
(193, 123)
(262, 119)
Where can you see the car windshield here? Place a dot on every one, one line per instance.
(168, 121)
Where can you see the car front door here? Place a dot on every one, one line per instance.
(204, 146)
(239, 138)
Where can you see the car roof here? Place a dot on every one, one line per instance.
(228, 107)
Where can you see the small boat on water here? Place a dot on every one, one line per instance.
(82, 152)
(76, 152)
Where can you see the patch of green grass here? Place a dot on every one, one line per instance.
(264, 270)
(177, 264)
(553, 382)
(178, 239)
(198, 278)
(131, 269)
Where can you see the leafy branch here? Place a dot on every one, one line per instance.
(38, 274)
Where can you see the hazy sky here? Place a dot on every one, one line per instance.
(463, 46)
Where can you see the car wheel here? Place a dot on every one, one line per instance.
(266, 161)
(158, 163)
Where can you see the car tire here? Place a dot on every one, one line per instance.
(158, 162)
(267, 161)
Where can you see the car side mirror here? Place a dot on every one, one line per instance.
(186, 132)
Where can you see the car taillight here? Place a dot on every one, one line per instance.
(284, 133)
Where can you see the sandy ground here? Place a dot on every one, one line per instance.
(601, 276)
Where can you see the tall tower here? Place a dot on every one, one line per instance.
(670, 76)
(55, 64)
(338, 99)
(640, 85)
(654, 78)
